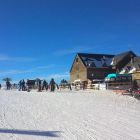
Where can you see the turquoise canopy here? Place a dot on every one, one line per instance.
(123, 75)
(111, 76)
(118, 75)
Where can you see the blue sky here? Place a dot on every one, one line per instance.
(40, 38)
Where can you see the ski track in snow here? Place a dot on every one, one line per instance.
(68, 115)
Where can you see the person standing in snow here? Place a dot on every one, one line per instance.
(19, 85)
(57, 86)
(0, 86)
(135, 84)
(8, 85)
(39, 86)
(84, 86)
(23, 85)
(52, 84)
(44, 84)
(27, 85)
(70, 86)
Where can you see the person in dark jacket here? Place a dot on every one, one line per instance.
(57, 86)
(39, 86)
(27, 86)
(70, 87)
(8, 84)
(47, 86)
(52, 84)
(44, 84)
(135, 84)
(23, 85)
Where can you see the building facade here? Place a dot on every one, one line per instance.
(95, 67)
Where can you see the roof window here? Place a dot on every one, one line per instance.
(92, 64)
(104, 64)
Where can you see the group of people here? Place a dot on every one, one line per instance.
(21, 85)
(51, 85)
(45, 85)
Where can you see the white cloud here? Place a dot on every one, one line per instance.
(72, 50)
(26, 71)
(66, 72)
(4, 57)
(44, 67)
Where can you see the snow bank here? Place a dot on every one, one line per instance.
(68, 115)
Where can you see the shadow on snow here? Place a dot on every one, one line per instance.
(31, 132)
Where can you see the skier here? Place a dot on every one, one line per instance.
(84, 86)
(19, 85)
(47, 86)
(0, 86)
(52, 84)
(44, 84)
(135, 85)
(57, 86)
(8, 84)
(23, 85)
(39, 87)
(70, 87)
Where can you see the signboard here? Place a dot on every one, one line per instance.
(114, 67)
(102, 86)
(123, 79)
(136, 76)
(31, 82)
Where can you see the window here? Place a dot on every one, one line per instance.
(92, 64)
(93, 74)
(105, 74)
(76, 59)
(77, 68)
(104, 64)
(104, 57)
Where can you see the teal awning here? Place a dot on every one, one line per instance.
(111, 75)
(120, 75)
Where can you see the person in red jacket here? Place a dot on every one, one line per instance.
(84, 86)
(0, 86)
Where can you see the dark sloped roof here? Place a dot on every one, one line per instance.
(98, 59)
(128, 67)
(120, 57)
(134, 62)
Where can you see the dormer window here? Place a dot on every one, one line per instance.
(104, 64)
(76, 59)
(92, 64)
(87, 64)
(104, 57)
(77, 68)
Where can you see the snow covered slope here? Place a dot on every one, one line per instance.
(68, 115)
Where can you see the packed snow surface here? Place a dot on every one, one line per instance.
(68, 115)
